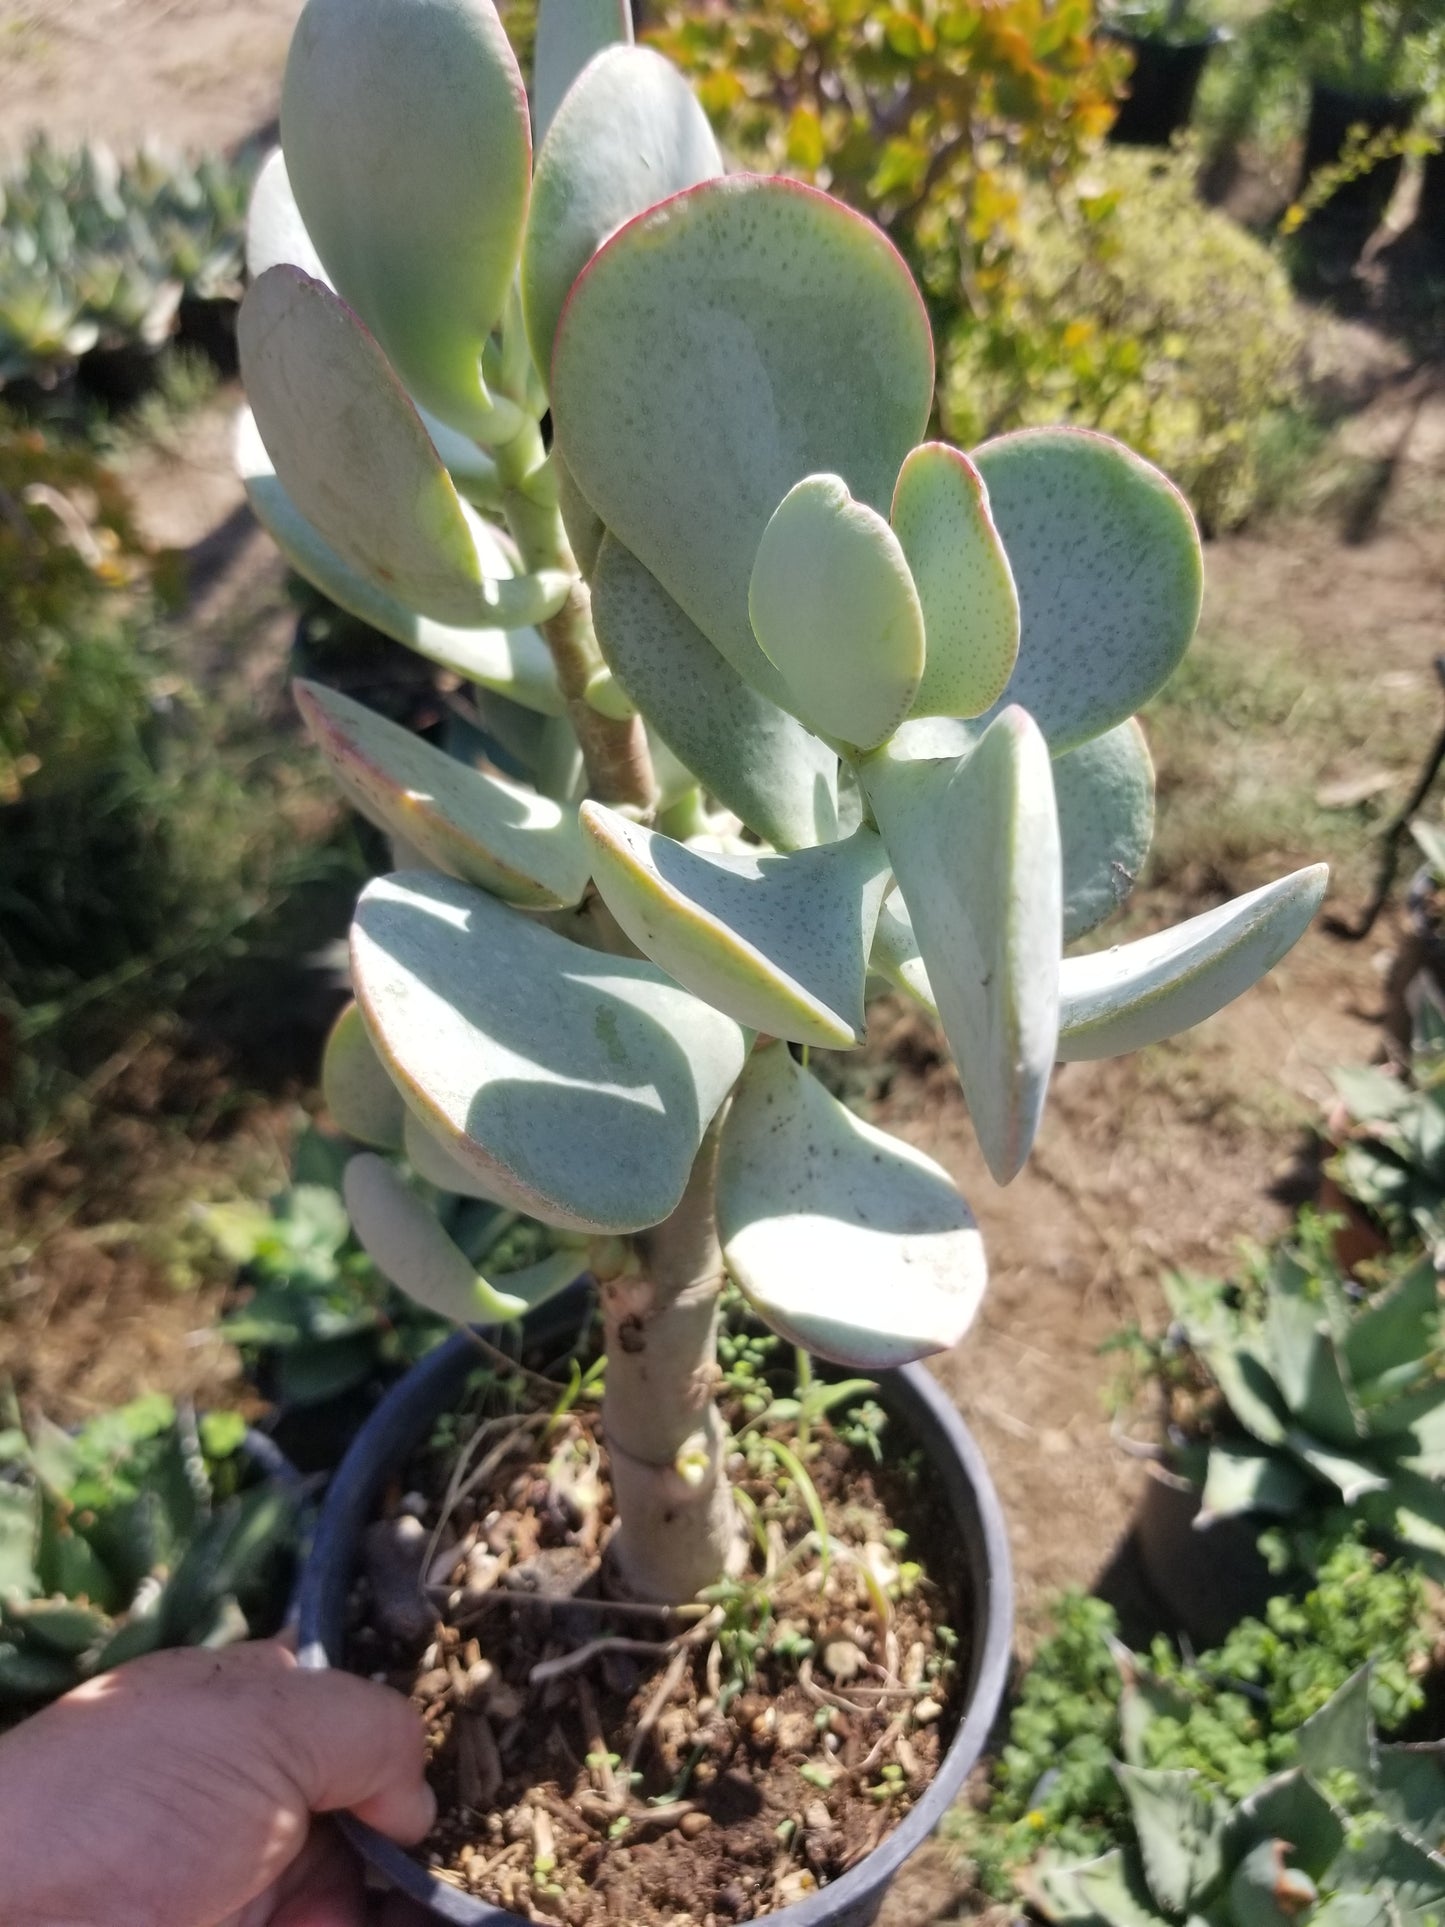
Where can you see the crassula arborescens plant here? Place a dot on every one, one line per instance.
(843, 705)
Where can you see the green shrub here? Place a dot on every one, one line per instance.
(133, 850)
(1192, 354)
(1230, 1714)
(1059, 287)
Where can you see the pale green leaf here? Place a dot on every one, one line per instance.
(1137, 993)
(1179, 1821)
(276, 237)
(1409, 1786)
(851, 1244)
(941, 516)
(581, 1083)
(1306, 1363)
(895, 957)
(275, 233)
(1105, 794)
(754, 757)
(778, 942)
(628, 135)
(401, 1236)
(696, 378)
(362, 1100)
(1287, 1807)
(1109, 572)
(350, 450)
(514, 662)
(1341, 1736)
(1396, 1326)
(434, 1164)
(569, 33)
(834, 607)
(584, 527)
(1241, 1480)
(521, 846)
(975, 848)
(409, 151)
(1111, 1889)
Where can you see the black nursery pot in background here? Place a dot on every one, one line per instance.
(1162, 87)
(404, 1419)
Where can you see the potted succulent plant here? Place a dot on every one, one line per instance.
(843, 707)
(1370, 63)
(1171, 41)
(1294, 1398)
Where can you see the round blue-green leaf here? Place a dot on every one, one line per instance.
(1119, 1000)
(1109, 570)
(833, 604)
(755, 758)
(975, 847)
(1105, 794)
(569, 34)
(716, 350)
(851, 1244)
(778, 942)
(941, 516)
(514, 662)
(401, 1236)
(362, 1099)
(628, 134)
(522, 847)
(409, 151)
(575, 1085)
(350, 451)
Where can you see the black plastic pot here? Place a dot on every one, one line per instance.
(405, 1416)
(1358, 206)
(1162, 87)
(1206, 1578)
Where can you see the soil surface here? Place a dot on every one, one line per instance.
(599, 1763)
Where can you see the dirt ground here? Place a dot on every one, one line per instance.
(1167, 1159)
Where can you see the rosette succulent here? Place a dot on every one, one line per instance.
(801, 701)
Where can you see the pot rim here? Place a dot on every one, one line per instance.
(415, 1399)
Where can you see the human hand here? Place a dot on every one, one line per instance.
(180, 1791)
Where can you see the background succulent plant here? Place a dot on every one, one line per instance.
(143, 1529)
(803, 696)
(1350, 1835)
(95, 252)
(1330, 1396)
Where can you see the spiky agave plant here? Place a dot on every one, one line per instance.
(1348, 1837)
(844, 705)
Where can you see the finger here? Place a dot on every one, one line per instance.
(324, 1888)
(348, 1743)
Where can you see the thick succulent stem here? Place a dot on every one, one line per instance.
(678, 1527)
(619, 766)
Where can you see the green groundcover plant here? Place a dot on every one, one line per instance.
(1350, 1833)
(1230, 1716)
(840, 704)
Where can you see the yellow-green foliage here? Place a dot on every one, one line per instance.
(1057, 271)
(1136, 310)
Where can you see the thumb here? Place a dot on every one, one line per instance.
(349, 1743)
